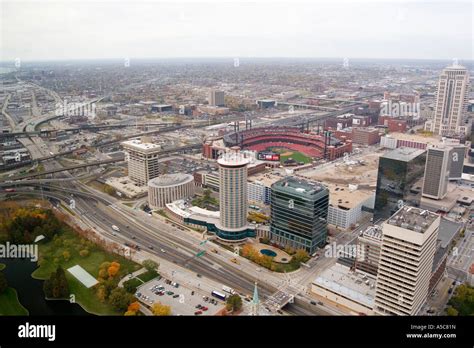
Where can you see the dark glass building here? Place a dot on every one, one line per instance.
(299, 210)
(399, 181)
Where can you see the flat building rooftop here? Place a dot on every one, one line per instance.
(403, 154)
(412, 218)
(300, 187)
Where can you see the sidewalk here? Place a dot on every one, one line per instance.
(134, 274)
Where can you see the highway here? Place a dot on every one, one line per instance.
(101, 211)
(96, 211)
(181, 253)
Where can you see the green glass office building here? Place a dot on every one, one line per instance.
(399, 181)
(299, 210)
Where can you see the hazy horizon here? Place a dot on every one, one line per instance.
(107, 30)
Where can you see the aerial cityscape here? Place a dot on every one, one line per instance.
(233, 185)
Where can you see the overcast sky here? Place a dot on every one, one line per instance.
(69, 29)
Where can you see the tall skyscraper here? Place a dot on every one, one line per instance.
(406, 261)
(457, 161)
(233, 190)
(216, 98)
(299, 210)
(142, 160)
(451, 102)
(399, 180)
(438, 162)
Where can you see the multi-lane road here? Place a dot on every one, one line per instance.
(138, 228)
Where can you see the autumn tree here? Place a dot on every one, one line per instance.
(101, 293)
(134, 306)
(159, 309)
(113, 269)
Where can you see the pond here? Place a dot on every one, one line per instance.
(30, 291)
(268, 252)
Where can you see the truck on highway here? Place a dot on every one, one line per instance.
(115, 228)
(228, 289)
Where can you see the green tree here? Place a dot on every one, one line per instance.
(130, 286)
(463, 300)
(120, 299)
(234, 303)
(3, 283)
(56, 286)
(150, 265)
(66, 255)
(452, 312)
(301, 255)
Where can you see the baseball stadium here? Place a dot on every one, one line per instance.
(288, 142)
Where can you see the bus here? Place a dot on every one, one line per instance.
(219, 295)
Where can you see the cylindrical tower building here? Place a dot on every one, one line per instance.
(233, 189)
(168, 188)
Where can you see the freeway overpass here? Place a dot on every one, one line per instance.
(63, 169)
(98, 163)
(92, 128)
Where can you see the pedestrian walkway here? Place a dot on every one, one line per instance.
(133, 275)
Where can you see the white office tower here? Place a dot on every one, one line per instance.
(216, 98)
(233, 190)
(406, 261)
(142, 160)
(451, 102)
(438, 163)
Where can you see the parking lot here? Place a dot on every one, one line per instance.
(183, 301)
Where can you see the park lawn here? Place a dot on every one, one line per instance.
(297, 156)
(285, 267)
(10, 305)
(147, 276)
(83, 296)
